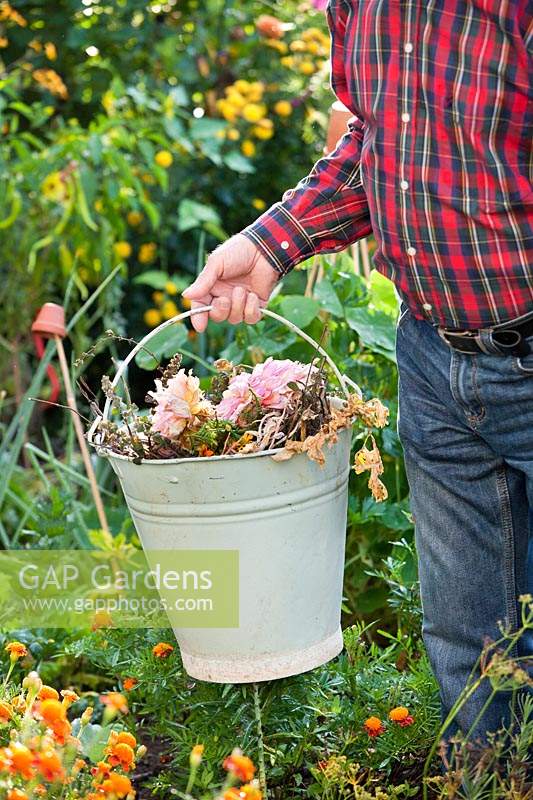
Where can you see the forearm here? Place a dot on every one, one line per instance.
(324, 213)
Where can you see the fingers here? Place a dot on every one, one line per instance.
(238, 302)
(252, 310)
(207, 278)
(221, 309)
(199, 321)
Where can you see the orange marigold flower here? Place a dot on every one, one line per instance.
(116, 701)
(374, 726)
(69, 697)
(16, 650)
(127, 738)
(51, 711)
(61, 729)
(240, 766)
(102, 768)
(6, 712)
(117, 785)
(40, 790)
(162, 650)
(50, 766)
(195, 757)
(248, 791)
(401, 715)
(48, 693)
(121, 754)
(205, 451)
(17, 794)
(20, 759)
(129, 683)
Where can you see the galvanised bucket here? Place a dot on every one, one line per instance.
(286, 519)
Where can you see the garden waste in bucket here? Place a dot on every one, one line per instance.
(286, 520)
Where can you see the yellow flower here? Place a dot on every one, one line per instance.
(233, 134)
(35, 45)
(54, 187)
(186, 303)
(134, 218)
(227, 109)
(307, 68)
(275, 44)
(98, 206)
(287, 61)
(253, 112)
(258, 203)
(158, 297)
(169, 309)
(298, 46)
(152, 317)
(234, 97)
(147, 252)
(283, 108)
(50, 51)
(7, 12)
(242, 86)
(171, 288)
(164, 159)
(52, 82)
(248, 148)
(4, 42)
(122, 249)
(264, 129)
(256, 91)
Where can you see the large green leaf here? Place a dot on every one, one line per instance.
(376, 329)
(328, 298)
(238, 163)
(300, 310)
(156, 278)
(165, 344)
(192, 214)
(382, 293)
(93, 739)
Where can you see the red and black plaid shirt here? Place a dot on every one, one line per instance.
(438, 163)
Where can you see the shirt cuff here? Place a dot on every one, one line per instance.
(281, 238)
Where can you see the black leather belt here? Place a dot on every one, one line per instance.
(507, 339)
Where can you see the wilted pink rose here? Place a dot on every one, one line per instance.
(236, 397)
(268, 383)
(179, 404)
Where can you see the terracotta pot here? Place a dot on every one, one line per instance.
(50, 321)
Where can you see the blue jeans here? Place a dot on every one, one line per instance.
(466, 426)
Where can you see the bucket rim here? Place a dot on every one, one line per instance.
(106, 452)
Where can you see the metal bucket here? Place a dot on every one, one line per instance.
(286, 519)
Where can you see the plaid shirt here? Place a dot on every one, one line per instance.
(438, 162)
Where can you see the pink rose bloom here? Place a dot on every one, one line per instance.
(180, 404)
(268, 383)
(320, 5)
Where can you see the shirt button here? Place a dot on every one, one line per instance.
(411, 251)
(285, 245)
(408, 47)
(406, 117)
(427, 306)
(404, 185)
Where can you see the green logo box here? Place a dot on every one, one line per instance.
(135, 589)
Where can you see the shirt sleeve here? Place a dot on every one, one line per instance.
(324, 213)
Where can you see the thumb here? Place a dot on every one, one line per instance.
(204, 282)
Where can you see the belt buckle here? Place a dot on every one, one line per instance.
(444, 333)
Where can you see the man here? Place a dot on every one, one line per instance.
(437, 163)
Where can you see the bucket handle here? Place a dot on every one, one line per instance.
(343, 380)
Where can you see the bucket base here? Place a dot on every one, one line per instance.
(252, 670)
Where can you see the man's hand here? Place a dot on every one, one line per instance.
(237, 281)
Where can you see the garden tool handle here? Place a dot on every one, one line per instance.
(343, 380)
